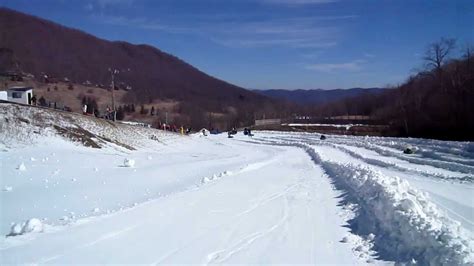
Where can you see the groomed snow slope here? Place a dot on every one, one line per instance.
(274, 198)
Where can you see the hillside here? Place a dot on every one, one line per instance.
(37, 46)
(26, 125)
(317, 96)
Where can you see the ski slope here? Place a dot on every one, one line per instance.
(269, 199)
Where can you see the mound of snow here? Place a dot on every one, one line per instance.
(16, 229)
(7, 188)
(405, 224)
(128, 162)
(208, 179)
(33, 225)
(21, 167)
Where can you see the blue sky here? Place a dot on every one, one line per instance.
(276, 44)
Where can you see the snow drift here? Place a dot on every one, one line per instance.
(33, 225)
(407, 226)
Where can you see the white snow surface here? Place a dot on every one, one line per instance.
(275, 198)
(346, 126)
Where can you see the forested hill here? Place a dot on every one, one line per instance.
(317, 96)
(437, 102)
(33, 45)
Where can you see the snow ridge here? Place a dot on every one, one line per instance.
(407, 226)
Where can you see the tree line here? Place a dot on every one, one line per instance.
(436, 102)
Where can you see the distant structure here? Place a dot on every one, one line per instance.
(3, 95)
(22, 95)
(266, 122)
(12, 75)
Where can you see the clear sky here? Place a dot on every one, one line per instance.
(276, 44)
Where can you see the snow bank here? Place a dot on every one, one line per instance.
(345, 126)
(21, 167)
(214, 177)
(28, 124)
(128, 162)
(33, 225)
(406, 225)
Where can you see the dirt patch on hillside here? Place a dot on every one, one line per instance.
(78, 135)
(117, 143)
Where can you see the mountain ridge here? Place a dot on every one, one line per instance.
(39, 46)
(317, 96)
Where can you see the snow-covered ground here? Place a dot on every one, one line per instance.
(346, 126)
(272, 198)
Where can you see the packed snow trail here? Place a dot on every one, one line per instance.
(278, 210)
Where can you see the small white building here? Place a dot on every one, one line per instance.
(3, 95)
(20, 94)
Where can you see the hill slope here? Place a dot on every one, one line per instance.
(37, 46)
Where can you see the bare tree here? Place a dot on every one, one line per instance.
(437, 54)
(468, 55)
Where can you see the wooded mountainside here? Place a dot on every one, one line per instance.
(40, 47)
(437, 102)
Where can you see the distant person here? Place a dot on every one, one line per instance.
(108, 113)
(33, 100)
(84, 108)
(181, 129)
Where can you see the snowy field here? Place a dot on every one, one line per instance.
(286, 198)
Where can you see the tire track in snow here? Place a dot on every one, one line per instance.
(232, 221)
(348, 141)
(261, 202)
(393, 165)
(222, 255)
(104, 237)
(456, 167)
(409, 160)
(434, 149)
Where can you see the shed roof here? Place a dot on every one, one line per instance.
(23, 89)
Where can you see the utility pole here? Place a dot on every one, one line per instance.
(113, 72)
